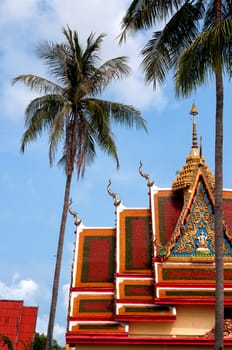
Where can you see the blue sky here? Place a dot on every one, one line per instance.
(31, 196)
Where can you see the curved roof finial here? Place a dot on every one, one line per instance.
(146, 176)
(194, 113)
(112, 194)
(77, 221)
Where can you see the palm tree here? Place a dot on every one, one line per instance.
(210, 63)
(196, 44)
(73, 114)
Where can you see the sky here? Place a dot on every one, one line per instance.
(31, 192)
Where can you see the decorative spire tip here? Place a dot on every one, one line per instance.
(194, 110)
(194, 113)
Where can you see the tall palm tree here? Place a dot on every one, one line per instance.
(70, 109)
(211, 59)
(195, 42)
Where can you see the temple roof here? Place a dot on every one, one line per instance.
(153, 260)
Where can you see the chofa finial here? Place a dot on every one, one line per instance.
(77, 221)
(112, 194)
(146, 176)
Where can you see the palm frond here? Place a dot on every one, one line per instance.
(90, 59)
(38, 84)
(91, 56)
(69, 35)
(207, 54)
(162, 51)
(39, 116)
(99, 127)
(88, 154)
(119, 113)
(106, 142)
(144, 14)
(57, 131)
(113, 69)
(54, 56)
(73, 59)
(83, 138)
(209, 20)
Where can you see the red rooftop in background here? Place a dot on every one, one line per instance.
(17, 322)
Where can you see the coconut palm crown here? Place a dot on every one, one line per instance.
(181, 22)
(69, 108)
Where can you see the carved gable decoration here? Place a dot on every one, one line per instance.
(194, 233)
(197, 232)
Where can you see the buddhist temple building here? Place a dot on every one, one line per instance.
(149, 281)
(17, 322)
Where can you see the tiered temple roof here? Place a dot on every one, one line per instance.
(138, 282)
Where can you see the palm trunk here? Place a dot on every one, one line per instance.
(55, 288)
(219, 250)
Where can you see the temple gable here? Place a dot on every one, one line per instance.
(195, 234)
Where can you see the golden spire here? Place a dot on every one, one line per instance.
(186, 176)
(194, 113)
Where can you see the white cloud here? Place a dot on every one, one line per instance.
(47, 25)
(18, 10)
(19, 289)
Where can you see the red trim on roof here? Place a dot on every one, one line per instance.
(185, 301)
(185, 285)
(91, 318)
(189, 301)
(147, 301)
(139, 318)
(134, 275)
(75, 338)
(92, 289)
